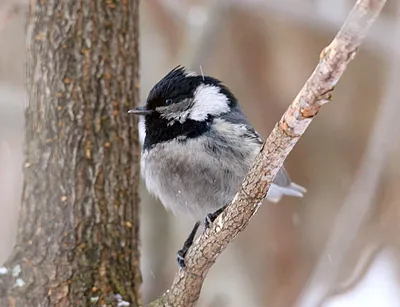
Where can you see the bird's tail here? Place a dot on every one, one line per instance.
(276, 192)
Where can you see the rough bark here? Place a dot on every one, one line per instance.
(77, 241)
(316, 92)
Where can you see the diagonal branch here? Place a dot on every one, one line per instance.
(360, 200)
(317, 91)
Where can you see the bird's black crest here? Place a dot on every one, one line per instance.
(178, 85)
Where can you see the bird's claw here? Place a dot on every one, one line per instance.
(180, 256)
(211, 217)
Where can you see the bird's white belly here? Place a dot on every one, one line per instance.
(193, 184)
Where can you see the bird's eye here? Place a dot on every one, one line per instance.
(168, 102)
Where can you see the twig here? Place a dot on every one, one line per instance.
(360, 199)
(186, 287)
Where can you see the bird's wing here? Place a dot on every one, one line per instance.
(236, 116)
(282, 184)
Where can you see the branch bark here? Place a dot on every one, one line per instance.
(317, 91)
(360, 199)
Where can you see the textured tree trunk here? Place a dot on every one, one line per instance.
(77, 242)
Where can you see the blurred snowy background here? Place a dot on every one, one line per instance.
(264, 50)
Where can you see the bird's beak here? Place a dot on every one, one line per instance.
(140, 111)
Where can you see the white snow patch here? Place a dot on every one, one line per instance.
(16, 270)
(94, 299)
(19, 283)
(121, 302)
(3, 271)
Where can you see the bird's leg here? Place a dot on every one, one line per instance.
(180, 257)
(210, 218)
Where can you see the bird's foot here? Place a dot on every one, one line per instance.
(180, 256)
(211, 217)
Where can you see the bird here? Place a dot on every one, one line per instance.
(197, 147)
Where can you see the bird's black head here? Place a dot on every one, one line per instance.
(182, 105)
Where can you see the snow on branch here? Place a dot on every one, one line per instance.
(317, 91)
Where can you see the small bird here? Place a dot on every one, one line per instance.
(197, 147)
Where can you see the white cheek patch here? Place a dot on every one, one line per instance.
(208, 101)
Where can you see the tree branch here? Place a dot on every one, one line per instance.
(317, 91)
(360, 200)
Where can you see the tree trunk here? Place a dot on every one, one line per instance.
(78, 233)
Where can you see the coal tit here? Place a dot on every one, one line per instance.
(197, 147)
